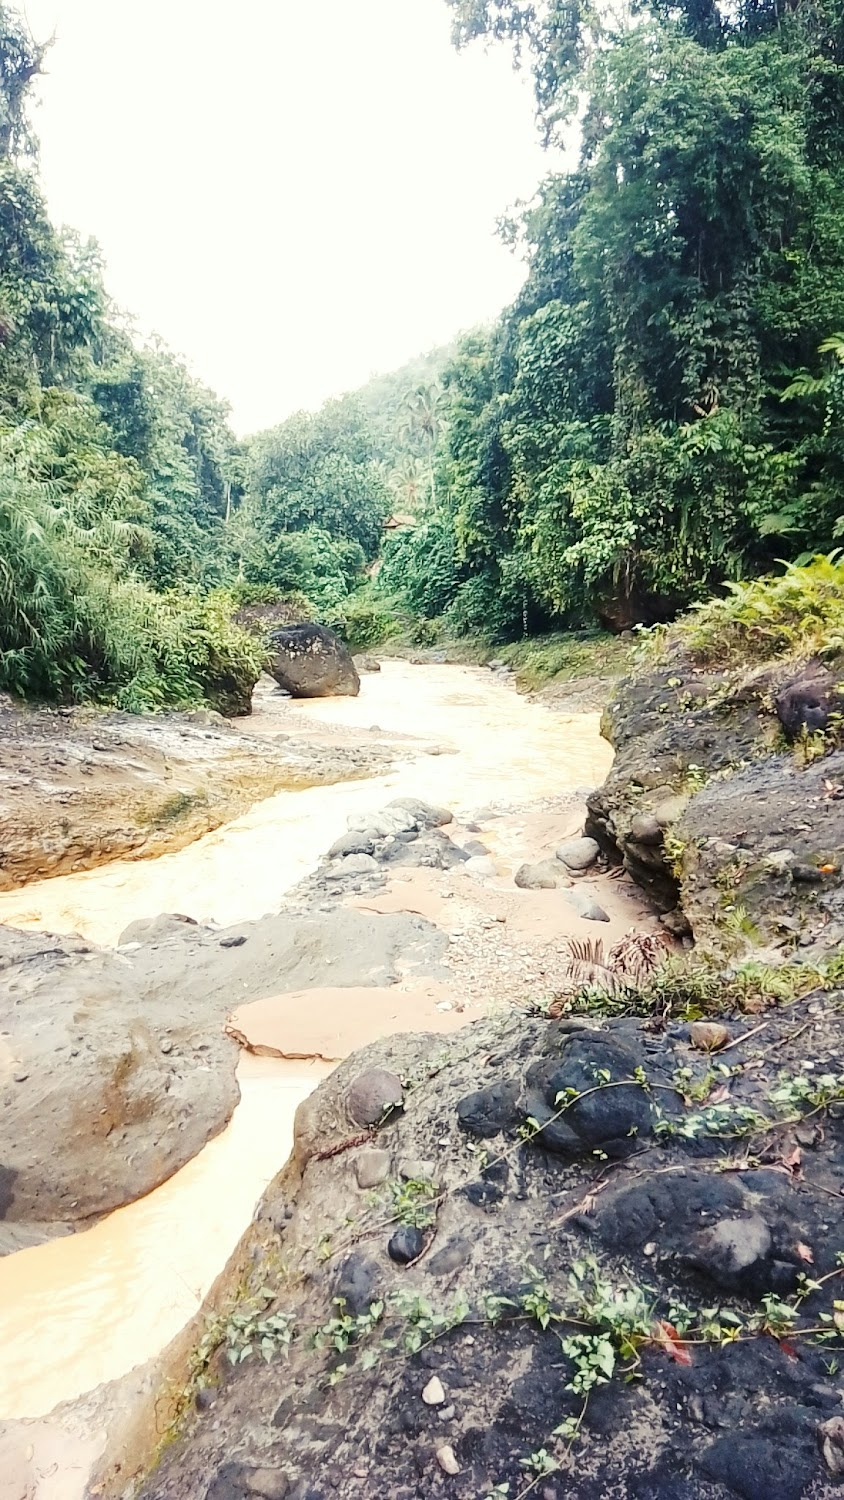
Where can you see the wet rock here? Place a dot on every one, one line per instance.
(578, 854)
(309, 661)
(406, 1245)
(805, 703)
(371, 1168)
(546, 875)
(489, 1111)
(373, 1097)
(759, 1468)
(677, 923)
(614, 1120)
(806, 874)
(452, 1257)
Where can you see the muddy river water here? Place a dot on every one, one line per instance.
(86, 1309)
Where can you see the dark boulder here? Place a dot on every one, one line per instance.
(309, 661)
(805, 703)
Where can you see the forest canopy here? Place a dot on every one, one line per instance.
(661, 408)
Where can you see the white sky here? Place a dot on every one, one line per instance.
(293, 193)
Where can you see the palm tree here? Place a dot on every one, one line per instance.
(422, 424)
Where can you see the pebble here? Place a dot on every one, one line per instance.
(433, 1394)
(406, 1245)
(20, 1076)
(232, 942)
(372, 1168)
(447, 1459)
(708, 1036)
(417, 1169)
(165, 1044)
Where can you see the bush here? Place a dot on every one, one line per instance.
(365, 621)
(800, 612)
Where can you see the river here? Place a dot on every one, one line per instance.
(86, 1309)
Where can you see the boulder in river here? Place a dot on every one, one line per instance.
(309, 661)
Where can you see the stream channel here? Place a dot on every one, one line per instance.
(82, 1310)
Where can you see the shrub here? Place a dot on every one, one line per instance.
(800, 612)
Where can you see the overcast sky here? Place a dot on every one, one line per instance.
(293, 193)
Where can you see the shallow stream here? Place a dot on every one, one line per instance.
(86, 1309)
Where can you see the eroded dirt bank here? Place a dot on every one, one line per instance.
(79, 789)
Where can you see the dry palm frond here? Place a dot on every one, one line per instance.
(621, 971)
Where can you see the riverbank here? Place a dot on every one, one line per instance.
(516, 776)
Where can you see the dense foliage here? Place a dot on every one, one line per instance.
(661, 410)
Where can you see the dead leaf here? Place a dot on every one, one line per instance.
(666, 1335)
(719, 1095)
(805, 1253)
(792, 1161)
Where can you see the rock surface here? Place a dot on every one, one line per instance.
(706, 810)
(628, 1201)
(116, 1068)
(79, 788)
(310, 661)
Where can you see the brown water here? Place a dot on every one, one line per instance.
(86, 1309)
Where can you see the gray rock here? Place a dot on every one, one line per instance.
(578, 854)
(732, 1249)
(352, 864)
(475, 848)
(586, 907)
(352, 843)
(671, 809)
(371, 1168)
(367, 663)
(453, 1255)
(417, 1169)
(373, 1096)
(309, 661)
(379, 825)
(646, 829)
(425, 814)
(547, 875)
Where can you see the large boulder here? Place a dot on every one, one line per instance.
(310, 661)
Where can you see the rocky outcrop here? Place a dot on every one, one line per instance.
(79, 788)
(309, 661)
(711, 813)
(116, 1066)
(550, 1216)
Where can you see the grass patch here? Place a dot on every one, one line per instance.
(173, 809)
(566, 657)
